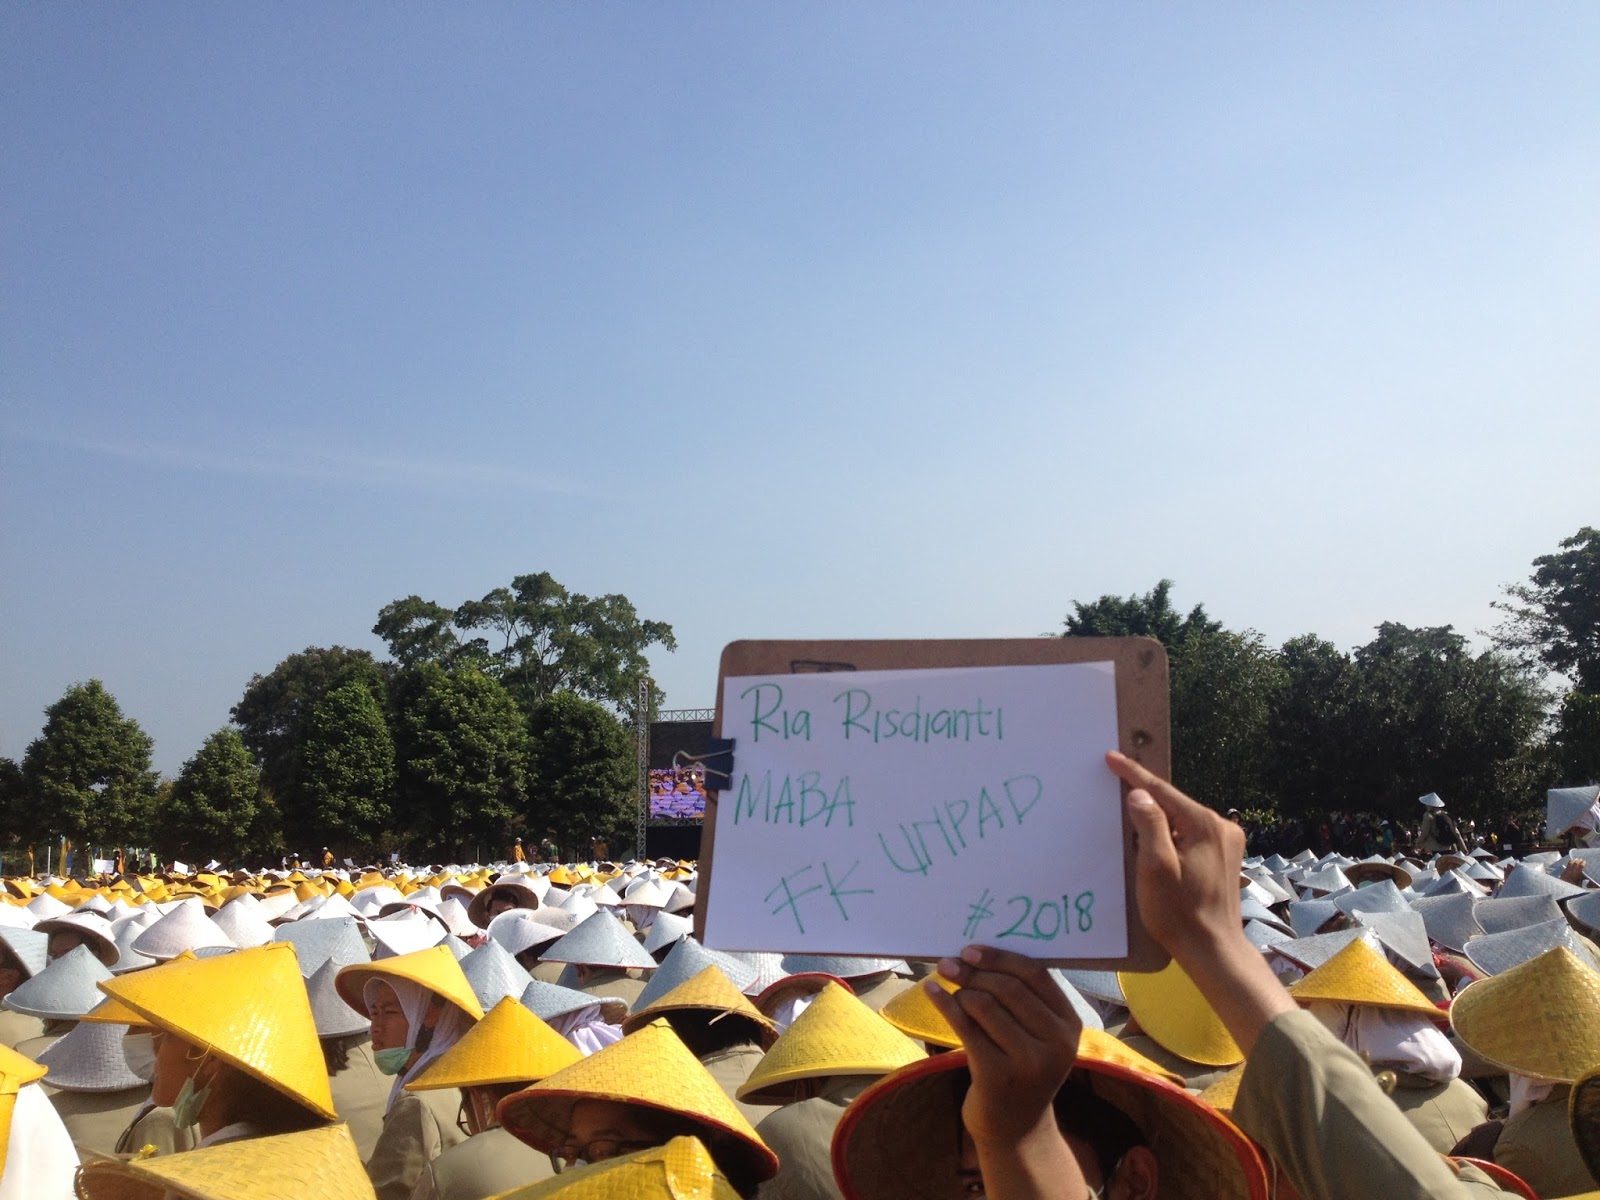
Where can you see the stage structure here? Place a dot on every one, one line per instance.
(672, 798)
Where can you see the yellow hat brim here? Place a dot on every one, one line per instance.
(683, 1169)
(710, 990)
(290, 1166)
(1170, 1008)
(836, 1035)
(1541, 1018)
(510, 1045)
(1358, 974)
(434, 969)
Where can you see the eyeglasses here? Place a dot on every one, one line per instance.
(596, 1151)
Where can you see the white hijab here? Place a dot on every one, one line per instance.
(414, 1002)
(1400, 1041)
(40, 1159)
(586, 1029)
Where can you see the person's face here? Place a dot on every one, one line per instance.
(64, 941)
(390, 1028)
(602, 1129)
(497, 905)
(11, 973)
(1132, 1178)
(176, 1060)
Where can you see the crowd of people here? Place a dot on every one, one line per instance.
(1411, 1024)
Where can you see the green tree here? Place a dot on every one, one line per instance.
(1225, 687)
(581, 773)
(274, 715)
(1315, 750)
(535, 637)
(1150, 615)
(1555, 617)
(461, 750)
(1432, 716)
(215, 803)
(1575, 741)
(88, 773)
(346, 771)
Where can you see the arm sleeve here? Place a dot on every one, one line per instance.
(403, 1150)
(1315, 1108)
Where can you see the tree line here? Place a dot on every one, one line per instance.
(508, 716)
(511, 715)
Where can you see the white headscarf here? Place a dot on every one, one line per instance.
(1400, 1041)
(586, 1029)
(414, 1001)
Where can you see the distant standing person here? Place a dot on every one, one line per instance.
(327, 858)
(1438, 833)
(517, 854)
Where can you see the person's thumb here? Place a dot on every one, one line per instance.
(1156, 853)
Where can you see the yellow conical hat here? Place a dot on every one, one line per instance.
(435, 969)
(1358, 974)
(562, 877)
(249, 1008)
(16, 1072)
(1541, 1018)
(1221, 1094)
(112, 1011)
(1171, 1010)
(836, 1035)
(710, 989)
(291, 1166)
(681, 1170)
(652, 1068)
(510, 1045)
(913, 1014)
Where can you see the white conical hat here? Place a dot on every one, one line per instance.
(667, 928)
(405, 933)
(44, 906)
(316, 942)
(519, 929)
(184, 927)
(494, 974)
(90, 1058)
(243, 924)
(64, 990)
(127, 932)
(333, 1017)
(600, 941)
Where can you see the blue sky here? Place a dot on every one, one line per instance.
(904, 320)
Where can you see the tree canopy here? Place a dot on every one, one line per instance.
(1555, 617)
(214, 804)
(88, 773)
(581, 773)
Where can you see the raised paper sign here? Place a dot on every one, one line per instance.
(909, 812)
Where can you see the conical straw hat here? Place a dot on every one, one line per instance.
(1540, 1019)
(510, 1045)
(600, 941)
(248, 1008)
(836, 1035)
(901, 1137)
(243, 924)
(683, 1169)
(1358, 974)
(913, 1014)
(494, 974)
(89, 925)
(185, 927)
(333, 1017)
(709, 990)
(1222, 1094)
(651, 1068)
(316, 942)
(1171, 1010)
(683, 962)
(111, 1011)
(90, 1058)
(548, 1001)
(30, 949)
(435, 969)
(292, 1166)
(64, 990)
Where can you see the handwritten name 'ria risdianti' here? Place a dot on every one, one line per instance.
(860, 719)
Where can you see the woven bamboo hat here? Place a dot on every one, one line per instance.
(902, 1135)
(494, 974)
(248, 1008)
(90, 1058)
(30, 949)
(683, 1169)
(508, 889)
(1358, 974)
(510, 1045)
(709, 991)
(651, 1068)
(548, 1001)
(1171, 1010)
(1222, 1094)
(64, 990)
(683, 962)
(91, 926)
(913, 1014)
(600, 941)
(435, 969)
(1540, 1019)
(836, 1035)
(316, 942)
(291, 1166)
(334, 1018)
(1583, 1114)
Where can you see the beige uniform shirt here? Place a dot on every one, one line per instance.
(613, 981)
(156, 1128)
(95, 1120)
(1537, 1145)
(1444, 1113)
(360, 1094)
(801, 1135)
(420, 1127)
(18, 1027)
(875, 991)
(484, 1165)
(730, 1068)
(1315, 1108)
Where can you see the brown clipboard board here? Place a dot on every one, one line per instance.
(1143, 725)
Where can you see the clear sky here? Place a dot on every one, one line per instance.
(783, 320)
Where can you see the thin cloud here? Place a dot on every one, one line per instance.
(268, 461)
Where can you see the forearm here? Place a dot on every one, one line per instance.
(1237, 982)
(1037, 1166)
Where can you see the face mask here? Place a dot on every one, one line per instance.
(186, 1108)
(392, 1061)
